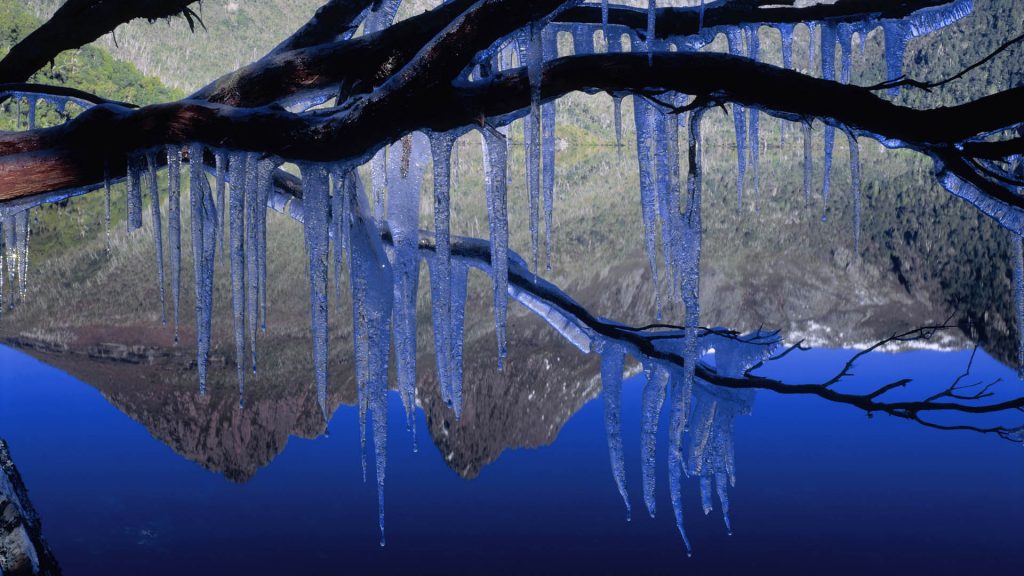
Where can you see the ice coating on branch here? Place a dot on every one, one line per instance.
(496, 178)
(441, 144)
(316, 229)
(928, 20)
(236, 217)
(611, 385)
(407, 164)
(154, 195)
(383, 16)
(652, 401)
(204, 249)
(371, 310)
(134, 197)
(1018, 298)
(828, 72)
(643, 119)
(754, 52)
(896, 34)
(739, 118)
(855, 188)
(174, 227)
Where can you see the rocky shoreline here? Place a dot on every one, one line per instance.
(23, 550)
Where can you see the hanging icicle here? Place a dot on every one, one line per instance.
(642, 115)
(174, 227)
(154, 196)
(236, 216)
(204, 237)
(828, 72)
(315, 208)
(754, 53)
(611, 384)
(496, 177)
(441, 145)
(739, 117)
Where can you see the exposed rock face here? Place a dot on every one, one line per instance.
(23, 551)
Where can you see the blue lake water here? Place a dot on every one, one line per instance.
(821, 489)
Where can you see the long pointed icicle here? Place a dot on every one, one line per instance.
(371, 309)
(739, 118)
(548, 112)
(611, 384)
(828, 72)
(134, 198)
(236, 217)
(496, 177)
(532, 135)
(315, 207)
(154, 195)
(3, 263)
(786, 32)
(221, 162)
(754, 52)
(106, 202)
(604, 18)
(441, 272)
(265, 183)
(855, 188)
(407, 165)
(252, 207)
(648, 193)
(653, 400)
(460, 273)
(808, 162)
(23, 230)
(378, 180)
(652, 12)
(204, 238)
(11, 255)
(174, 227)
(340, 222)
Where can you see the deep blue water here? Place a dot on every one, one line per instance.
(821, 489)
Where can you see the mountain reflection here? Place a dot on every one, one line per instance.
(779, 270)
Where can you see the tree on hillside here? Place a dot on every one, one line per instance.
(351, 82)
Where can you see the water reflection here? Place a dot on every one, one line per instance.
(781, 269)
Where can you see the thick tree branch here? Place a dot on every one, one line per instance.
(77, 23)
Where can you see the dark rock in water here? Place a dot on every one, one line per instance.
(23, 551)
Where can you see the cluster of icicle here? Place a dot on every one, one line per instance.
(230, 215)
(701, 416)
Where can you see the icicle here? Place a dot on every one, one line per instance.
(340, 203)
(896, 34)
(495, 172)
(378, 179)
(828, 72)
(221, 159)
(106, 202)
(604, 21)
(32, 112)
(844, 36)
(236, 168)
(532, 136)
(383, 16)
(786, 31)
(617, 106)
(855, 188)
(582, 40)
(811, 26)
(739, 118)
(648, 193)
(459, 283)
(154, 195)
(265, 185)
(652, 7)
(174, 227)
(204, 248)
(252, 208)
(611, 384)
(407, 165)
(441, 272)
(700, 21)
(1018, 282)
(11, 249)
(371, 309)
(653, 399)
(548, 112)
(3, 258)
(23, 232)
(808, 167)
(315, 206)
(134, 197)
(754, 52)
